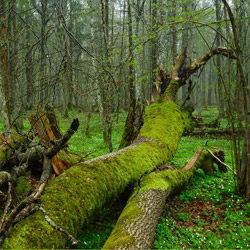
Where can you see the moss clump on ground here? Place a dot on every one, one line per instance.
(22, 186)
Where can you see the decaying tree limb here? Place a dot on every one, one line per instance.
(180, 73)
(53, 224)
(34, 155)
(50, 114)
(136, 225)
(198, 63)
(222, 163)
(24, 207)
(7, 205)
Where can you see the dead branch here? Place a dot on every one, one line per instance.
(7, 205)
(221, 162)
(74, 241)
(198, 63)
(170, 83)
(25, 207)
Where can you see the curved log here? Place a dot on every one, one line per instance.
(136, 225)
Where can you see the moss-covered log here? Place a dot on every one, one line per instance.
(75, 195)
(136, 225)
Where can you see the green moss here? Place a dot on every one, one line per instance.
(172, 89)
(8, 150)
(124, 239)
(187, 121)
(73, 159)
(165, 180)
(23, 186)
(164, 123)
(120, 236)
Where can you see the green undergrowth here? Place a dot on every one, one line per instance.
(93, 146)
(210, 114)
(94, 235)
(207, 214)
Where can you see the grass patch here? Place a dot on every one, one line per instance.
(207, 214)
(92, 146)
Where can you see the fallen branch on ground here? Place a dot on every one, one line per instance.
(24, 208)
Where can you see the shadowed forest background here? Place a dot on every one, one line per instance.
(114, 65)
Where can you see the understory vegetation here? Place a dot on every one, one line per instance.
(206, 214)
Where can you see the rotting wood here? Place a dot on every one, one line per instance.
(50, 114)
(136, 225)
(45, 132)
(27, 205)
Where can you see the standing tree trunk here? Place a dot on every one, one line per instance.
(154, 41)
(6, 112)
(244, 182)
(218, 61)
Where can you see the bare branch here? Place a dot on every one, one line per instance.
(198, 63)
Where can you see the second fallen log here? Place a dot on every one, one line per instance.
(136, 225)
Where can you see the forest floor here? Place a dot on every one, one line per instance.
(205, 214)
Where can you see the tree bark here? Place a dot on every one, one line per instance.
(136, 225)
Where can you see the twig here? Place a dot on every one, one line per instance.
(223, 163)
(60, 229)
(102, 225)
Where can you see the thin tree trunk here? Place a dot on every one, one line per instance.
(4, 59)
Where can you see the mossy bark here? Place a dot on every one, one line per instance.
(73, 197)
(137, 223)
(8, 148)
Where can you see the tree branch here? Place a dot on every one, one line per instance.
(198, 63)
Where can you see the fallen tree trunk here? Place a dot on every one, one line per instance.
(72, 198)
(210, 132)
(136, 225)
